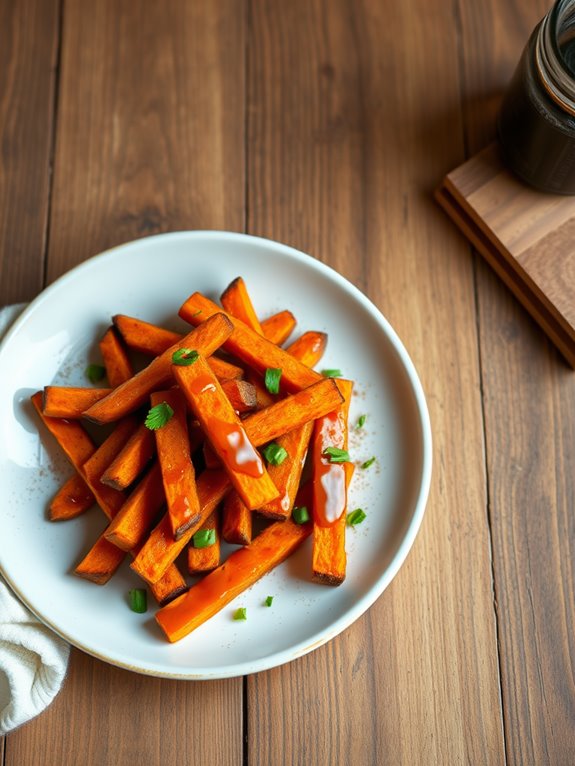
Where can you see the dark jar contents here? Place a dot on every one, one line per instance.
(536, 124)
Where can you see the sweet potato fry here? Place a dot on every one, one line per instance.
(286, 476)
(135, 391)
(309, 347)
(144, 337)
(293, 411)
(221, 586)
(330, 493)
(86, 459)
(241, 393)
(236, 520)
(70, 401)
(100, 563)
(70, 435)
(160, 550)
(150, 339)
(170, 586)
(236, 301)
(178, 474)
(110, 500)
(116, 362)
(205, 558)
(253, 349)
(133, 521)
(225, 432)
(73, 498)
(132, 459)
(279, 327)
(328, 556)
(103, 560)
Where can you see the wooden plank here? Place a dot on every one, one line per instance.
(352, 135)
(530, 429)
(28, 50)
(109, 716)
(154, 140)
(501, 211)
(150, 138)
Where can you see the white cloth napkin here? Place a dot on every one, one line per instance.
(33, 659)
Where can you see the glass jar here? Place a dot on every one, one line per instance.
(536, 124)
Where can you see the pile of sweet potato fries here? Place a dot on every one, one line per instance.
(217, 426)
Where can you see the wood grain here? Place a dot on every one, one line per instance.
(530, 439)
(149, 138)
(340, 165)
(523, 234)
(28, 51)
(105, 716)
(152, 139)
(354, 112)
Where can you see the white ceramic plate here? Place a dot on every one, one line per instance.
(53, 341)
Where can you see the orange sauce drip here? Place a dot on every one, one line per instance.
(181, 507)
(329, 493)
(329, 484)
(174, 476)
(229, 439)
(231, 442)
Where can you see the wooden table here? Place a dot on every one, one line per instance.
(324, 124)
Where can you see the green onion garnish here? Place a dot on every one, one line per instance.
(336, 455)
(274, 453)
(272, 379)
(369, 462)
(158, 416)
(138, 600)
(203, 538)
(183, 357)
(361, 421)
(335, 373)
(300, 514)
(269, 601)
(95, 372)
(355, 517)
(241, 613)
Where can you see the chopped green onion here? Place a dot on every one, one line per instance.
(274, 453)
(331, 373)
(361, 421)
(336, 455)
(138, 600)
(196, 313)
(269, 601)
(300, 514)
(272, 379)
(241, 613)
(183, 357)
(95, 372)
(203, 538)
(369, 462)
(355, 517)
(158, 416)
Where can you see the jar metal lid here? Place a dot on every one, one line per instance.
(558, 82)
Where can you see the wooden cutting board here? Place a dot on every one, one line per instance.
(527, 236)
